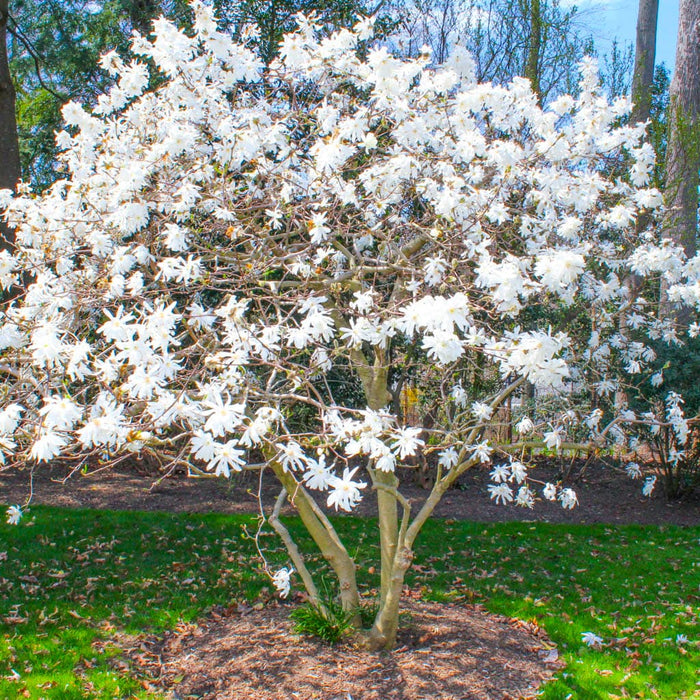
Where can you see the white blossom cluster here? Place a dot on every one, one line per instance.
(220, 244)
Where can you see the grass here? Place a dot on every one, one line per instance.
(71, 579)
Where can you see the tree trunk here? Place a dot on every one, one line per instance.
(386, 624)
(642, 82)
(9, 144)
(644, 58)
(532, 65)
(683, 150)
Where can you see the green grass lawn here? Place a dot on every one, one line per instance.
(70, 579)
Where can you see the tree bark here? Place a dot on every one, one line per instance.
(386, 624)
(642, 82)
(9, 143)
(644, 58)
(532, 65)
(683, 150)
(326, 539)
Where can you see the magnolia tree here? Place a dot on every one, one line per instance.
(222, 244)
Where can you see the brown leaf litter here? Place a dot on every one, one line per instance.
(444, 652)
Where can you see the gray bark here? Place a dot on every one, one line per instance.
(683, 150)
(644, 58)
(532, 64)
(9, 144)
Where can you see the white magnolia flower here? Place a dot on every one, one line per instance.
(482, 451)
(524, 425)
(448, 458)
(459, 395)
(482, 411)
(649, 484)
(9, 418)
(559, 269)
(500, 473)
(501, 493)
(518, 472)
(226, 457)
(47, 446)
(443, 346)
(363, 302)
(592, 640)
(407, 442)
(552, 439)
(222, 416)
(282, 580)
(634, 471)
(549, 492)
(291, 456)
(345, 493)
(435, 269)
(14, 515)
(568, 499)
(318, 474)
(525, 497)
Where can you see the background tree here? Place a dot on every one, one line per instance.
(534, 48)
(644, 59)
(683, 149)
(271, 19)
(507, 38)
(142, 12)
(658, 127)
(9, 146)
(54, 46)
(616, 69)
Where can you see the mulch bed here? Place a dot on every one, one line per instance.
(444, 652)
(606, 495)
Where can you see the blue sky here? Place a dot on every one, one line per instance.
(606, 20)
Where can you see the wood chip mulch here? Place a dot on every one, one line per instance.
(605, 495)
(444, 652)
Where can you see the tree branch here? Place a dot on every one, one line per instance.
(294, 552)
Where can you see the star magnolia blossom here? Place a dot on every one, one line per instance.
(14, 515)
(222, 249)
(282, 581)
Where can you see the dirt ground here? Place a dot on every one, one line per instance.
(605, 494)
(444, 652)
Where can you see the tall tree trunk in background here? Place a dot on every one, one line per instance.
(683, 150)
(642, 83)
(532, 72)
(532, 64)
(9, 144)
(644, 58)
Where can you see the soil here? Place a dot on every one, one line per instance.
(605, 494)
(444, 652)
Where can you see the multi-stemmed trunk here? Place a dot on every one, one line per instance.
(398, 530)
